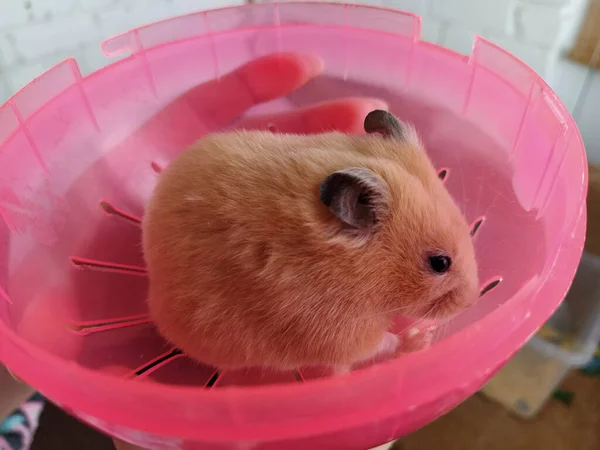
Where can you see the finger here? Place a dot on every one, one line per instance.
(345, 115)
(221, 101)
(216, 104)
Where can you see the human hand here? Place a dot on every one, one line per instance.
(221, 103)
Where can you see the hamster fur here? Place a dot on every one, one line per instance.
(284, 251)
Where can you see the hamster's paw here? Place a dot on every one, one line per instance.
(414, 340)
(388, 346)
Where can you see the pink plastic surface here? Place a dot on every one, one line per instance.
(73, 318)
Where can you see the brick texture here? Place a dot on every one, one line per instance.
(36, 34)
(13, 14)
(416, 6)
(539, 59)
(558, 3)
(431, 30)
(542, 24)
(457, 38)
(476, 14)
(37, 40)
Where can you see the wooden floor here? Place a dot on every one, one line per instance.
(481, 424)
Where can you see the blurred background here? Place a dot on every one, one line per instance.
(548, 396)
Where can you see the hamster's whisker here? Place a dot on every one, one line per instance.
(439, 329)
(442, 323)
(109, 208)
(446, 326)
(418, 321)
(402, 308)
(391, 311)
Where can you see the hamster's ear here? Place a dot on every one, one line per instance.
(357, 196)
(386, 124)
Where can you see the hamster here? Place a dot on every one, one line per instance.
(285, 251)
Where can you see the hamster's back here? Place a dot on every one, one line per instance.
(248, 265)
(234, 240)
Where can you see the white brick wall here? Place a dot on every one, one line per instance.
(534, 30)
(417, 6)
(431, 30)
(542, 60)
(34, 41)
(36, 34)
(542, 25)
(12, 14)
(476, 14)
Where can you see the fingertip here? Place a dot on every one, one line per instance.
(306, 64)
(312, 65)
(346, 115)
(360, 108)
(274, 75)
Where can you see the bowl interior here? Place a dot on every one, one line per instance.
(76, 174)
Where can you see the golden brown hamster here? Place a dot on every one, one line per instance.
(283, 251)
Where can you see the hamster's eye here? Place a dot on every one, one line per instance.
(440, 263)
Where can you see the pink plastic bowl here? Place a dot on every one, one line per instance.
(79, 332)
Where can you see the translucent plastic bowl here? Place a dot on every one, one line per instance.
(79, 332)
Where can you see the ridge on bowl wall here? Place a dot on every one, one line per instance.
(522, 187)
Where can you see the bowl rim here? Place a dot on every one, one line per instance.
(27, 360)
